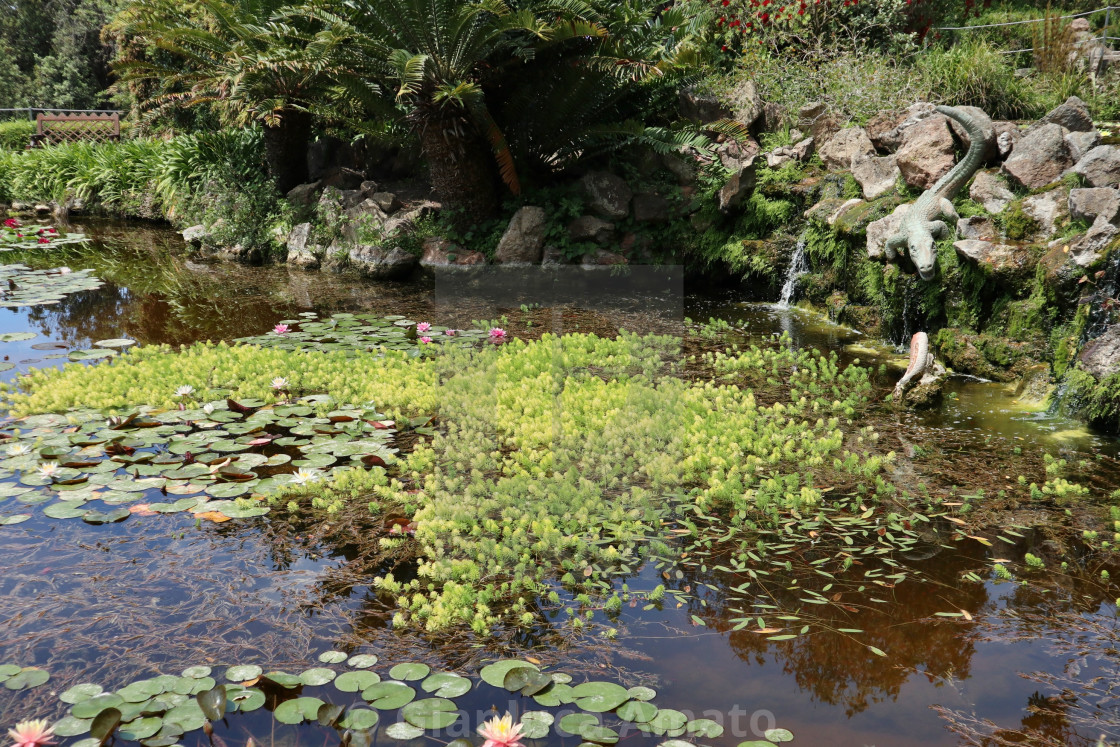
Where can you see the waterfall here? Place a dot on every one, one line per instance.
(798, 266)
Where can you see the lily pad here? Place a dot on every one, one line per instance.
(637, 711)
(430, 713)
(297, 710)
(352, 682)
(403, 731)
(27, 677)
(141, 728)
(409, 671)
(318, 676)
(332, 657)
(78, 693)
(71, 726)
(119, 342)
(641, 693)
(575, 723)
(360, 718)
(389, 695)
(17, 336)
(243, 673)
(14, 519)
(495, 674)
(600, 697)
(92, 706)
(535, 724)
(197, 673)
(362, 661)
(704, 727)
(778, 735)
(446, 685)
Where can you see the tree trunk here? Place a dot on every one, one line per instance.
(463, 172)
(286, 149)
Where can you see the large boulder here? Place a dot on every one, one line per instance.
(1040, 157)
(876, 175)
(304, 195)
(301, 252)
(1100, 166)
(809, 113)
(1048, 209)
(653, 208)
(607, 194)
(590, 228)
(880, 230)
(523, 240)
(702, 106)
(439, 252)
(1072, 115)
(927, 152)
(991, 192)
(1087, 204)
(734, 154)
(382, 262)
(405, 220)
(1080, 143)
(843, 148)
(737, 188)
(746, 105)
(886, 129)
(1087, 249)
(999, 258)
(1101, 357)
(386, 201)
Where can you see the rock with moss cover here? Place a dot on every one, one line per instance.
(990, 191)
(979, 227)
(1101, 357)
(1048, 209)
(1089, 248)
(999, 259)
(1040, 158)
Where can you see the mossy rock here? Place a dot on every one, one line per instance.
(985, 355)
(866, 319)
(923, 396)
(853, 223)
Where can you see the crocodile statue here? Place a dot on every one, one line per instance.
(923, 223)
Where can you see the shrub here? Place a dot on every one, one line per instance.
(15, 135)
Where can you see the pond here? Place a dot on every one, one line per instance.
(1013, 625)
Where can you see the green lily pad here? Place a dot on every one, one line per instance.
(641, 693)
(141, 728)
(283, 679)
(558, 694)
(104, 724)
(446, 685)
(297, 710)
(332, 657)
(704, 727)
(71, 726)
(409, 671)
(18, 336)
(403, 731)
(637, 711)
(186, 715)
(27, 677)
(389, 695)
(362, 661)
(665, 721)
(778, 735)
(14, 519)
(243, 673)
(535, 724)
(575, 723)
(92, 706)
(360, 718)
(197, 673)
(430, 713)
(600, 697)
(250, 700)
(495, 674)
(599, 734)
(78, 693)
(352, 682)
(318, 676)
(114, 343)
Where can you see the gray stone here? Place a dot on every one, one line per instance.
(1040, 157)
(876, 175)
(1072, 115)
(802, 149)
(382, 263)
(887, 129)
(553, 256)
(844, 147)
(737, 188)
(999, 258)
(880, 230)
(991, 192)
(653, 208)
(1048, 208)
(602, 258)
(523, 240)
(809, 113)
(1100, 166)
(927, 151)
(439, 252)
(746, 105)
(773, 116)
(608, 195)
(733, 154)
(590, 228)
(301, 253)
(1081, 143)
(702, 106)
(1101, 357)
(304, 194)
(369, 188)
(1007, 134)
(1087, 249)
(387, 201)
(1087, 204)
(406, 220)
(977, 227)
(196, 236)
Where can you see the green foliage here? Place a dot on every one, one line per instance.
(16, 134)
(974, 73)
(1016, 223)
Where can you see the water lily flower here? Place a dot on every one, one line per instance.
(47, 470)
(279, 383)
(44, 240)
(184, 391)
(208, 408)
(16, 450)
(449, 332)
(34, 733)
(64, 270)
(12, 223)
(423, 327)
(281, 329)
(303, 476)
(497, 333)
(51, 230)
(501, 732)
(425, 340)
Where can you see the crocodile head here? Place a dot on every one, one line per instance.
(923, 255)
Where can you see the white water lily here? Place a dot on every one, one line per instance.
(303, 476)
(16, 450)
(208, 408)
(184, 391)
(48, 469)
(279, 383)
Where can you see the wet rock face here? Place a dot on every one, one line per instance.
(1040, 157)
(1101, 357)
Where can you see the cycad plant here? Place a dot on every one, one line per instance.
(468, 75)
(246, 59)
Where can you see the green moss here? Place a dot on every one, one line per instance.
(1016, 224)
(1098, 402)
(986, 355)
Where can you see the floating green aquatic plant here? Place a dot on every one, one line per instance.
(360, 333)
(22, 286)
(17, 235)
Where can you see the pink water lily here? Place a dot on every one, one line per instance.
(425, 340)
(497, 334)
(450, 332)
(423, 327)
(34, 733)
(281, 329)
(501, 732)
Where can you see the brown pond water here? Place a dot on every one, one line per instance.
(112, 603)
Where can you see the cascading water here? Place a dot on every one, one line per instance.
(798, 266)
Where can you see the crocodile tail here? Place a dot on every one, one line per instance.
(980, 142)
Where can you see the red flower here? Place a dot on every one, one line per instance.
(51, 230)
(44, 240)
(12, 223)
